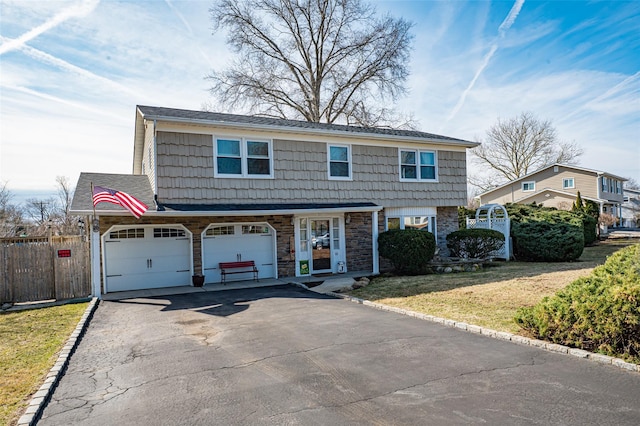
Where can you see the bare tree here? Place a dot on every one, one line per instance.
(65, 224)
(320, 61)
(11, 220)
(518, 146)
(631, 183)
(41, 213)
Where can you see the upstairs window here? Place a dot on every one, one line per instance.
(417, 165)
(568, 183)
(243, 158)
(339, 159)
(528, 186)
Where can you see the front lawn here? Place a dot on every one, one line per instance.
(29, 344)
(490, 297)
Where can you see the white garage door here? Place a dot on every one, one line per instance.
(147, 257)
(233, 242)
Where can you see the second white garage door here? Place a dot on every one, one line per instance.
(238, 241)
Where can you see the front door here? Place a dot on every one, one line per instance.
(320, 244)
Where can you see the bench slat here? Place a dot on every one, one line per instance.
(225, 266)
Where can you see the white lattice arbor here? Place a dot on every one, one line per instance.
(494, 216)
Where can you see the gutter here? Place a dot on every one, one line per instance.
(215, 213)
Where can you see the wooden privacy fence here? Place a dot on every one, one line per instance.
(36, 271)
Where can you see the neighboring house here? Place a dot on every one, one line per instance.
(224, 187)
(631, 208)
(557, 186)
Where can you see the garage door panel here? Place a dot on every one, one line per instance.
(228, 248)
(149, 262)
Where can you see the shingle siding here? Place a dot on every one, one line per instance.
(586, 182)
(185, 175)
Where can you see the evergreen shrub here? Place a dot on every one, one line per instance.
(540, 241)
(474, 243)
(597, 313)
(408, 250)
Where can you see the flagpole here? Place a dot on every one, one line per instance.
(95, 224)
(92, 203)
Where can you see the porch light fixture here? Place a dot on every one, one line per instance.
(347, 219)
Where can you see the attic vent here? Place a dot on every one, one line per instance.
(555, 169)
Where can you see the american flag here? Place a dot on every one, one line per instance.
(135, 206)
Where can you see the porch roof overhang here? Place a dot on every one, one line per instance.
(213, 210)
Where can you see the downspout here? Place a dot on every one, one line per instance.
(155, 159)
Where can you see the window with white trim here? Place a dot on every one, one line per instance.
(568, 183)
(528, 186)
(242, 157)
(418, 165)
(423, 223)
(339, 162)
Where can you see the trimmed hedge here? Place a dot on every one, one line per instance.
(474, 243)
(409, 250)
(547, 242)
(590, 225)
(597, 313)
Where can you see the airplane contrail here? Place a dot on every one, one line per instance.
(502, 30)
(75, 11)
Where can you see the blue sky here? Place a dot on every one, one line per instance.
(71, 73)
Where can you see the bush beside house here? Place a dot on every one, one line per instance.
(408, 250)
(597, 313)
(474, 243)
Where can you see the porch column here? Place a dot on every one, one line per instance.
(95, 258)
(374, 237)
(620, 224)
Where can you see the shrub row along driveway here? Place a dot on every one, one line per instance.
(282, 355)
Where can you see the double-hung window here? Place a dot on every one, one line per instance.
(418, 165)
(568, 183)
(339, 162)
(528, 186)
(242, 157)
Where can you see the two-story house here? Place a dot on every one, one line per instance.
(558, 185)
(295, 197)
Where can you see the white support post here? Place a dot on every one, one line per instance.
(95, 260)
(374, 237)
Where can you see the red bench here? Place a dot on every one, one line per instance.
(246, 266)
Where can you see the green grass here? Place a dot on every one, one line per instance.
(490, 297)
(29, 344)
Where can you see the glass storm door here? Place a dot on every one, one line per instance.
(321, 239)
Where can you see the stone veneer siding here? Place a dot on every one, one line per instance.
(197, 224)
(357, 236)
(359, 242)
(447, 222)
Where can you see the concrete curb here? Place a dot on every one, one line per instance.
(547, 346)
(40, 399)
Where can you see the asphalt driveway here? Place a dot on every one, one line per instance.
(283, 355)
